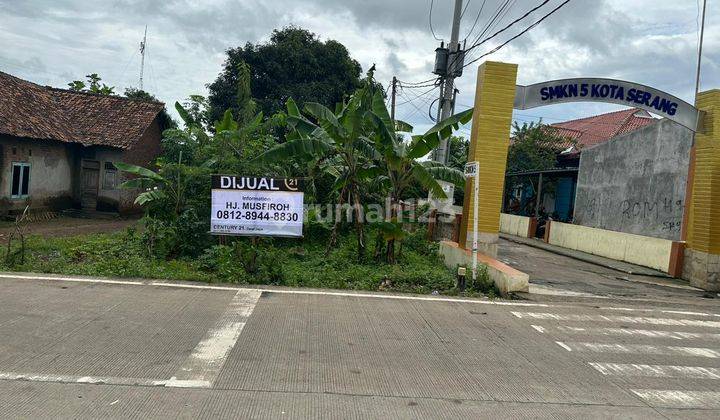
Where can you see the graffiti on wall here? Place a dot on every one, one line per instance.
(667, 211)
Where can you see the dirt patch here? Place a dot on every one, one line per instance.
(69, 226)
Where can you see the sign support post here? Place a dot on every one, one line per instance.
(471, 170)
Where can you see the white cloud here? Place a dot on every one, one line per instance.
(648, 41)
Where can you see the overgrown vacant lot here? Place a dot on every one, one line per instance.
(285, 262)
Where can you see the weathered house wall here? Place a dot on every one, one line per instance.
(56, 171)
(51, 166)
(65, 143)
(635, 183)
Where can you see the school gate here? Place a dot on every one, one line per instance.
(496, 96)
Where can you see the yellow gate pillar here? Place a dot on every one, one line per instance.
(489, 140)
(702, 253)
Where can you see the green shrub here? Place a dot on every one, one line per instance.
(153, 253)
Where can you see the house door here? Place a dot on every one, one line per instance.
(89, 184)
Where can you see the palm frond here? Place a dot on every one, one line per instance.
(426, 180)
(138, 170)
(299, 147)
(446, 173)
(445, 127)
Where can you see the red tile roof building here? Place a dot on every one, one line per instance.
(41, 112)
(587, 132)
(57, 147)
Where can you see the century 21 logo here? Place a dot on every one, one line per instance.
(291, 184)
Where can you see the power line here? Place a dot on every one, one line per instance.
(498, 11)
(418, 86)
(464, 9)
(417, 83)
(419, 95)
(492, 20)
(482, 6)
(518, 35)
(430, 21)
(509, 25)
(507, 10)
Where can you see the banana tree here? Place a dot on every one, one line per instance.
(336, 144)
(402, 165)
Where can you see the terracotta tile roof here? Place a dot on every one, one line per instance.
(601, 128)
(41, 112)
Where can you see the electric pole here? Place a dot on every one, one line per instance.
(142, 57)
(700, 48)
(394, 92)
(453, 69)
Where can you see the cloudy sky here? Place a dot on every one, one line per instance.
(653, 42)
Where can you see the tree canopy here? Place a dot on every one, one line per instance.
(534, 146)
(293, 64)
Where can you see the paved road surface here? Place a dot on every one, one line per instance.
(80, 348)
(565, 276)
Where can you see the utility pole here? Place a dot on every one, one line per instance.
(394, 92)
(454, 62)
(142, 57)
(700, 48)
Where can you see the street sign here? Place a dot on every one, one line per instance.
(609, 91)
(256, 206)
(471, 169)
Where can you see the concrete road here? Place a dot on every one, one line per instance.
(561, 276)
(89, 348)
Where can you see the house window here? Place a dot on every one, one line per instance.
(110, 176)
(20, 185)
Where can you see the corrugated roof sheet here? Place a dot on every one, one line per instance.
(41, 112)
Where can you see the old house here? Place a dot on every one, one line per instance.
(57, 147)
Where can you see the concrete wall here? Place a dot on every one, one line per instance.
(50, 172)
(635, 183)
(514, 225)
(641, 250)
(506, 278)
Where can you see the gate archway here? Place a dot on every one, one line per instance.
(497, 95)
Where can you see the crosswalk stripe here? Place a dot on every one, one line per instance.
(656, 371)
(639, 349)
(663, 311)
(679, 399)
(676, 335)
(618, 318)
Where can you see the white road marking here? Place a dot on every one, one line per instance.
(104, 380)
(538, 328)
(641, 349)
(617, 318)
(689, 313)
(664, 311)
(657, 371)
(552, 291)
(73, 279)
(676, 335)
(204, 363)
(563, 345)
(280, 291)
(679, 399)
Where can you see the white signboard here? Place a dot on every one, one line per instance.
(471, 169)
(256, 206)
